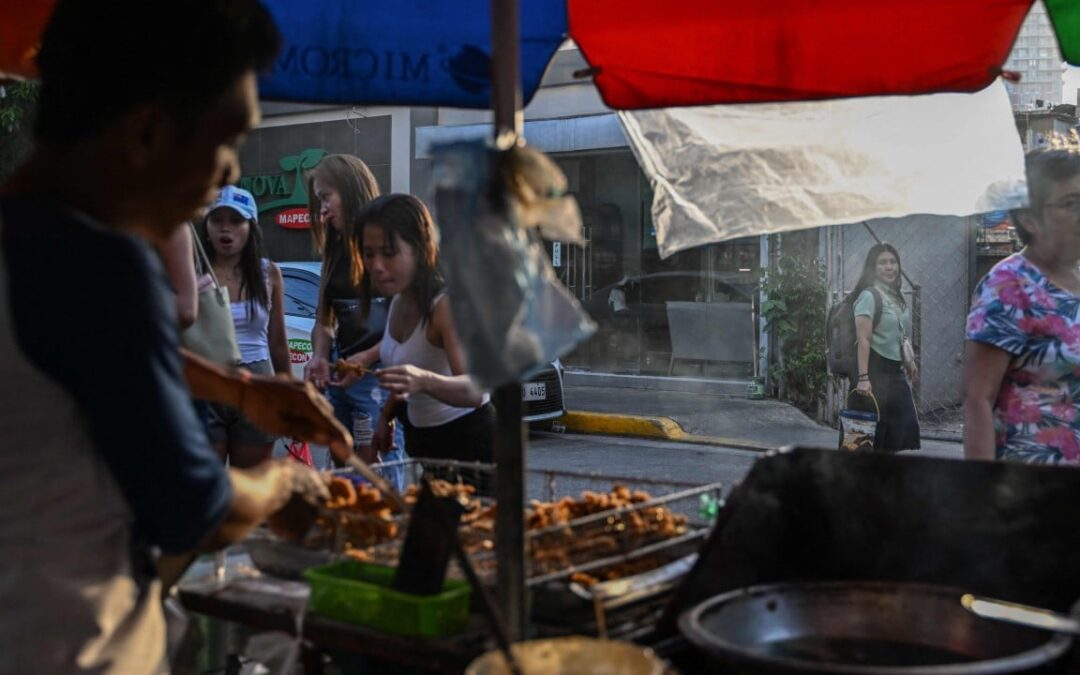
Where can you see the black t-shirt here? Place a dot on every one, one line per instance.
(92, 310)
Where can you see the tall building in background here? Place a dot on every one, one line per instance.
(1037, 58)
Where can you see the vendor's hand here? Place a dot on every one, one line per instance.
(403, 381)
(301, 490)
(287, 407)
(864, 387)
(317, 372)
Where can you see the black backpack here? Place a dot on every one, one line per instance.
(841, 340)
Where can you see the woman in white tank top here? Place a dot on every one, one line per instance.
(234, 246)
(445, 416)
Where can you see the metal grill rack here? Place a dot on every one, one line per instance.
(620, 542)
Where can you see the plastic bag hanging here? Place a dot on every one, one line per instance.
(511, 313)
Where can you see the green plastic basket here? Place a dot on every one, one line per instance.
(359, 593)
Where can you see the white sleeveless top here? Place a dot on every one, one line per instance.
(424, 410)
(252, 322)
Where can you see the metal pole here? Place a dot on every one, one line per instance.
(509, 517)
(505, 67)
(510, 440)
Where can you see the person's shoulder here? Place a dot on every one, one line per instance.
(1015, 265)
(866, 297)
(42, 228)
(1011, 270)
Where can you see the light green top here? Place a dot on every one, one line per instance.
(886, 338)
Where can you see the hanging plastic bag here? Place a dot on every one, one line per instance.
(511, 313)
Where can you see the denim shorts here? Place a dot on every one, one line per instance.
(358, 407)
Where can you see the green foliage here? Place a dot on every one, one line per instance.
(16, 120)
(795, 315)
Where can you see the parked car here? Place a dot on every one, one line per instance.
(542, 395)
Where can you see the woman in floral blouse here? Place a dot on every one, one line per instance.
(1022, 359)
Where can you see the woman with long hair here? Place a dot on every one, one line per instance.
(882, 320)
(232, 239)
(338, 188)
(445, 416)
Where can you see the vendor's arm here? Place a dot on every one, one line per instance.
(276, 405)
(984, 370)
(457, 389)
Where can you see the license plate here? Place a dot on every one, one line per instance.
(534, 391)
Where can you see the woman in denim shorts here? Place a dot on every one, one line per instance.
(338, 188)
(233, 243)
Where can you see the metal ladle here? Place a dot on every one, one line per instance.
(1024, 615)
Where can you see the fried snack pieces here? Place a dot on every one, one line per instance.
(343, 367)
(361, 513)
(366, 522)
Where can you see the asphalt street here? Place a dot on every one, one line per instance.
(637, 458)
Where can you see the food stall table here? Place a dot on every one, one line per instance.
(264, 603)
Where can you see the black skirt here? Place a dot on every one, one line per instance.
(470, 438)
(898, 424)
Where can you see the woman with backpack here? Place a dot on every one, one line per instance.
(885, 362)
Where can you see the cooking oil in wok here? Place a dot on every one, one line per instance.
(862, 652)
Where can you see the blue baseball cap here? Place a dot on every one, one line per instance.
(239, 200)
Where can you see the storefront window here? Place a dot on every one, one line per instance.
(689, 315)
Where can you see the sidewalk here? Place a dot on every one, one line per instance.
(702, 418)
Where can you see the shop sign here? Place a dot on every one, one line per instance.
(294, 219)
(289, 188)
(299, 351)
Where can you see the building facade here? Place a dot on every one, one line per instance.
(1037, 60)
(691, 316)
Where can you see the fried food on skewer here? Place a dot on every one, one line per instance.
(343, 367)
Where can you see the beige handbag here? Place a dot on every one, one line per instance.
(213, 335)
(907, 351)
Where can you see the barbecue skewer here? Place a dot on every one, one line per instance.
(343, 367)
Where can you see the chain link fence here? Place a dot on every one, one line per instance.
(940, 258)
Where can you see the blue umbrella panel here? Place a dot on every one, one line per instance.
(437, 53)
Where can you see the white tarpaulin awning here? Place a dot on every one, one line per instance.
(721, 172)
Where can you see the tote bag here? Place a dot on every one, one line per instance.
(213, 335)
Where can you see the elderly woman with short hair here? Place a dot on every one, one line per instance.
(1022, 357)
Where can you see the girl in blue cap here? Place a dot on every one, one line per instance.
(233, 243)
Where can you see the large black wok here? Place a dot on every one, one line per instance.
(868, 627)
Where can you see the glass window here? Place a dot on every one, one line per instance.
(687, 315)
(301, 293)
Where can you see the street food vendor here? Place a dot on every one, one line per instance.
(142, 109)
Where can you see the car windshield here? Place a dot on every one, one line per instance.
(301, 293)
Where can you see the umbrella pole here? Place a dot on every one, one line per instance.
(510, 439)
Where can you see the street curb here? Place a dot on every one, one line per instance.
(642, 426)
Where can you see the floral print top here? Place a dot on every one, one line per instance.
(1017, 309)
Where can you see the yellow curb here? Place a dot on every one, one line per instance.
(644, 426)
